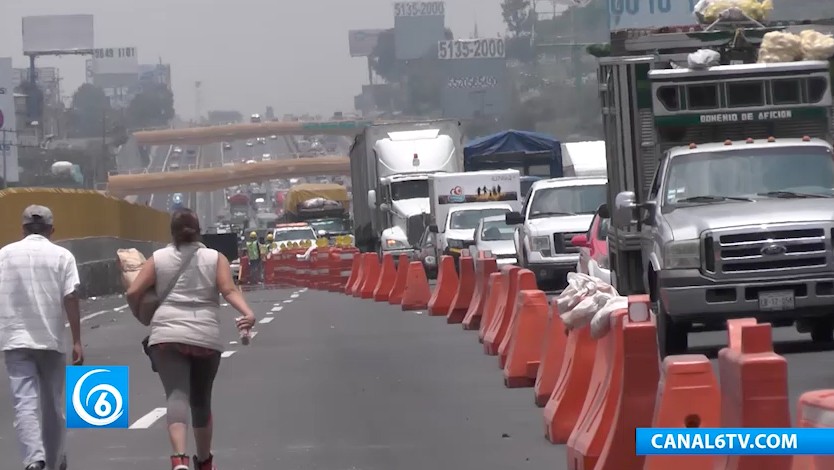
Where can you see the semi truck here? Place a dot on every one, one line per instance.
(390, 166)
(326, 207)
(720, 179)
(240, 210)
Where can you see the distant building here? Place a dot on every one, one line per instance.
(155, 73)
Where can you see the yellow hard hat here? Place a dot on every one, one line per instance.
(253, 235)
(269, 237)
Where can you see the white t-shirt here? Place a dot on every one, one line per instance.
(35, 276)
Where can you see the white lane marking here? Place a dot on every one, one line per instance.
(86, 318)
(267, 320)
(294, 295)
(147, 421)
(232, 342)
(277, 309)
(288, 301)
(253, 334)
(226, 354)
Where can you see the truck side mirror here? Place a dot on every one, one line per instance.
(603, 212)
(647, 212)
(514, 218)
(384, 207)
(372, 199)
(624, 208)
(433, 228)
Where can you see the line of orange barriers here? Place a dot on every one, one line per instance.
(593, 392)
(320, 267)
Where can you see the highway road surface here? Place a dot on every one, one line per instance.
(333, 382)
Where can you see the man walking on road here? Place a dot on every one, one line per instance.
(38, 286)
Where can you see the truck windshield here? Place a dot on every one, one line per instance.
(411, 189)
(497, 230)
(468, 219)
(806, 171)
(572, 200)
(329, 225)
(296, 234)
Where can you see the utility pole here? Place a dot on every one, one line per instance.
(3, 144)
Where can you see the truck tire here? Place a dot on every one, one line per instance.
(822, 331)
(672, 338)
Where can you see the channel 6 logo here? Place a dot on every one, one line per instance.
(97, 396)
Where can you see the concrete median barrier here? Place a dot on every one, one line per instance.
(92, 226)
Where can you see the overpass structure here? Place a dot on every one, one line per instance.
(230, 132)
(210, 179)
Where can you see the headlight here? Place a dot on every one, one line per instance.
(395, 244)
(540, 243)
(455, 243)
(685, 254)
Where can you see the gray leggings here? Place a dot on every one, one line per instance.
(188, 381)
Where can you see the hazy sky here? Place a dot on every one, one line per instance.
(292, 55)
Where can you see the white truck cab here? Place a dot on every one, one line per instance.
(554, 211)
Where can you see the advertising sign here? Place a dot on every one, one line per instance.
(473, 87)
(8, 122)
(418, 26)
(363, 41)
(487, 48)
(115, 60)
(55, 34)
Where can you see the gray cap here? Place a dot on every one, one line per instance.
(35, 214)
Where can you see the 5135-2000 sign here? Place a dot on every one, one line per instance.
(490, 48)
(419, 9)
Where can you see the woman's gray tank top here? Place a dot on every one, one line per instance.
(189, 315)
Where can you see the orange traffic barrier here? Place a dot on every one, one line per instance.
(354, 273)
(588, 437)
(524, 352)
(552, 356)
(386, 279)
(360, 276)
(371, 262)
(526, 280)
(243, 274)
(396, 295)
(635, 402)
(485, 265)
(417, 290)
(499, 323)
(687, 397)
(754, 390)
(463, 296)
(815, 410)
(494, 299)
(563, 409)
(444, 291)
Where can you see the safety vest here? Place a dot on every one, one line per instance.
(252, 249)
(263, 248)
(273, 246)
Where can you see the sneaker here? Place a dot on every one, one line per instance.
(207, 464)
(39, 465)
(179, 462)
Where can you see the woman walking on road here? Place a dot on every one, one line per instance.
(185, 343)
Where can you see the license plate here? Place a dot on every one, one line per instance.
(777, 300)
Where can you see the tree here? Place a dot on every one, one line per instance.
(90, 108)
(518, 16)
(384, 56)
(153, 106)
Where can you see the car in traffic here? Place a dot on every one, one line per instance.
(593, 247)
(261, 140)
(177, 151)
(273, 137)
(174, 166)
(294, 232)
(249, 143)
(494, 235)
(266, 156)
(227, 146)
(255, 118)
(191, 151)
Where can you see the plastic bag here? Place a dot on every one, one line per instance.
(702, 59)
(130, 262)
(816, 45)
(709, 11)
(778, 46)
(586, 296)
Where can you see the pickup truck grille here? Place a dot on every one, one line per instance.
(562, 244)
(785, 250)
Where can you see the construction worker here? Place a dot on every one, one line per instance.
(271, 244)
(253, 251)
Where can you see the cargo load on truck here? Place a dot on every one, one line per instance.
(531, 153)
(304, 201)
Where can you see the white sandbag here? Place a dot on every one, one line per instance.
(130, 261)
(702, 59)
(592, 294)
(778, 46)
(601, 323)
(571, 295)
(816, 45)
(709, 11)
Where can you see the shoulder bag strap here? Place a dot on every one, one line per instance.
(185, 262)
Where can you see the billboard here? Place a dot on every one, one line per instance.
(418, 26)
(57, 34)
(648, 14)
(115, 60)
(476, 80)
(8, 122)
(363, 41)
